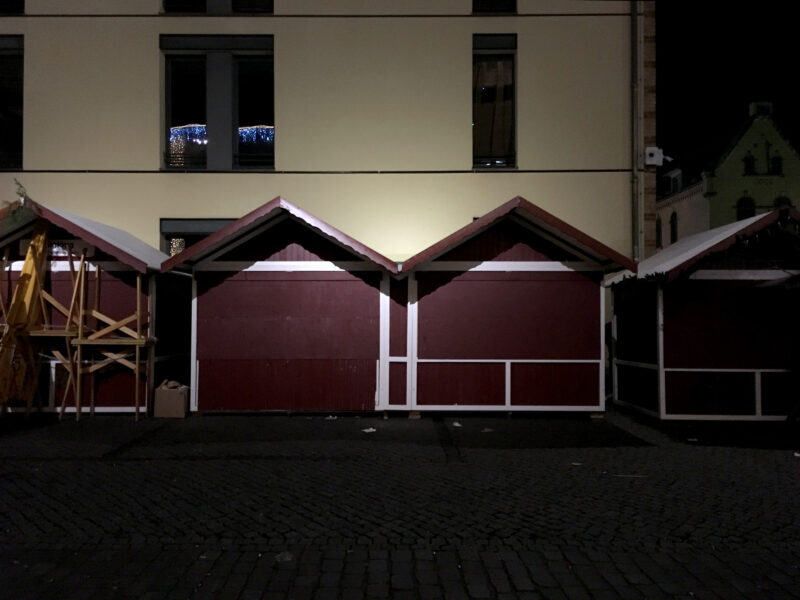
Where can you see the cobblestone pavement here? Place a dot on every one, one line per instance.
(236, 507)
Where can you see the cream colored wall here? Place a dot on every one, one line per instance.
(92, 7)
(396, 214)
(352, 94)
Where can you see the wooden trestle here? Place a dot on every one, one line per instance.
(79, 347)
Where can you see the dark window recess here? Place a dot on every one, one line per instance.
(256, 112)
(179, 234)
(673, 228)
(749, 162)
(253, 6)
(493, 101)
(659, 234)
(494, 7)
(218, 7)
(12, 7)
(776, 165)
(11, 102)
(187, 139)
(184, 6)
(782, 202)
(745, 208)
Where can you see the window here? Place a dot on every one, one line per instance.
(749, 164)
(782, 202)
(776, 165)
(493, 101)
(495, 7)
(12, 7)
(745, 208)
(11, 102)
(673, 227)
(659, 234)
(178, 234)
(219, 7)
(219, 112)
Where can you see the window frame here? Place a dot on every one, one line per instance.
(496, 44)
(220, 7)
(221, 53)
(14, 46)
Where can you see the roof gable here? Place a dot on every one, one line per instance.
(555, 232)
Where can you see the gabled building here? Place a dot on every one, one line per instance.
(758, 172)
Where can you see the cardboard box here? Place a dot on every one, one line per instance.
(171, 401)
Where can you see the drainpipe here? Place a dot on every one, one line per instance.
(635, 216)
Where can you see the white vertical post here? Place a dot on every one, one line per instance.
(758, 393)
(382, 400)
(602, 365)
(508, 382)
(662, 379)
(411, 342)
(193, 350)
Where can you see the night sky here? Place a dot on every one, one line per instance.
(713, 59)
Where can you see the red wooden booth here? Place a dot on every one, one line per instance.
(505, 314)
(290, 314)
(75, 305)
(285, 315)
(708, 328)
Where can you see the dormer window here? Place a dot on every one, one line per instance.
(749, 164)
(745, 208)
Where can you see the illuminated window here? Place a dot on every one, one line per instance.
(493, 101)
(218, 7)
(11, 102)
(219, 102)
(495, 7)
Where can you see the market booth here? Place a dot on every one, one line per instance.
(286, 315)
(505, 314)
(76, 299)
(707, 329)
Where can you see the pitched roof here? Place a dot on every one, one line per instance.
(685, 253)
(262, 215)
(120, 244)
(579, 242)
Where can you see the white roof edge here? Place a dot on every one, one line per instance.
(123, 240)
(689, 247)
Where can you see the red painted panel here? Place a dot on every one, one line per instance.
(250, 384)
(117, 295)
(293, 317)
(560, 384)
(638, 387)
(507, 240)
(398, 313)
(463, 384)
(713, 324)
(288, 341)
(397, 384)
(697, 393)
(112, 387)
(779, 393)
(508, 315)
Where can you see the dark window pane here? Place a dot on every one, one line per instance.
(10, 110)
(256, 111)
(186, 112)
(494, 6)
(673, 228)
(253, 6)
(745, 208)
(184, 6)
(12, 7)
(492, 113)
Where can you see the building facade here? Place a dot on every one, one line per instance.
(396, 122)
